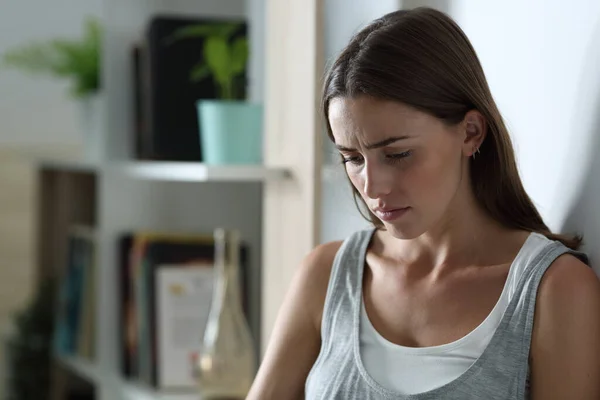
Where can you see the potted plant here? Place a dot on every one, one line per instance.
(28, 347)
(230, 127)
(78, 61)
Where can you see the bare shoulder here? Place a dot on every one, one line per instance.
(566, 333)
(319, 261)
(567, 283)
(314, 273)
(295, 339)
(569, 290)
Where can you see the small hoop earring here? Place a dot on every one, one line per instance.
(476, 152)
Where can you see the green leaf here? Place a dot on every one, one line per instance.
(222, 60)
(224, 30)
(216, 54)
(227, 29)
(199, 73)
(239, 56)
(34, 58)
(77, 60)
(191, 31)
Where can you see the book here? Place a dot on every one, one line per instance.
(76, 310)
(126, 308)
(86, 336)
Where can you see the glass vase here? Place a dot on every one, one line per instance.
(226, 364)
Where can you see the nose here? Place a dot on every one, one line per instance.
(376, 182)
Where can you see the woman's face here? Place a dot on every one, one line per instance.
(407, 165)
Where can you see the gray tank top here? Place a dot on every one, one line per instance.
(500, 373)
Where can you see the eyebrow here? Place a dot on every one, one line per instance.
(377, 145)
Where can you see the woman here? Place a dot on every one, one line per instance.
(459, 291)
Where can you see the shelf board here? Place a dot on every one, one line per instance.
(128, 390)
(173, 171)
(131, 391)
(84, 368)
(198, 172)
(69, 165)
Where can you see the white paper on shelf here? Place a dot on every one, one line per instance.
(184, 295)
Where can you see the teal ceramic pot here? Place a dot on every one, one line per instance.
(230, 132)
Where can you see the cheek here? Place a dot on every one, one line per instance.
(391, 179)
(438, 177)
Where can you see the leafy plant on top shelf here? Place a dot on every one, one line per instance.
(78, 60)
(224, 56)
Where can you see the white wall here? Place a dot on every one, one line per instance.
(38, 110)
(542, 61)
(343, 18)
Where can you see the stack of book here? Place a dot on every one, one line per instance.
(166, 286)
(76, 313)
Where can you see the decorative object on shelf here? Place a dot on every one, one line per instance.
(166, 118)
(231, 132)
(92, 116)
(79, 61)
(225, 366)
(29, 347)
(230, 127)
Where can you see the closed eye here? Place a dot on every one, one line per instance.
(393, 158)
(356, 160)
(398, 156)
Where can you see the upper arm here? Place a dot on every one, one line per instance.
(565, 352)
(296, 338)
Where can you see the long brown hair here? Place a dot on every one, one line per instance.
(422, 58)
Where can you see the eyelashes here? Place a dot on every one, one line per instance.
(390, 158)
(399, 156)
(356, 160)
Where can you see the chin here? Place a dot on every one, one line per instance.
(402, 231)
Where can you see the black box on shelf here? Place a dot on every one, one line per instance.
(166, 120)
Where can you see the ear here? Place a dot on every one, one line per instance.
(475, 130)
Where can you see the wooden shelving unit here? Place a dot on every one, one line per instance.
(112, 198)
(274, 206)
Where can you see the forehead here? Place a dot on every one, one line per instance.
(366, 119)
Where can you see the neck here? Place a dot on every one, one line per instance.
(463, 237)
(466, 236)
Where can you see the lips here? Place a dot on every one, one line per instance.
(390, 214)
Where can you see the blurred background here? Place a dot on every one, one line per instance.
(131, 129)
